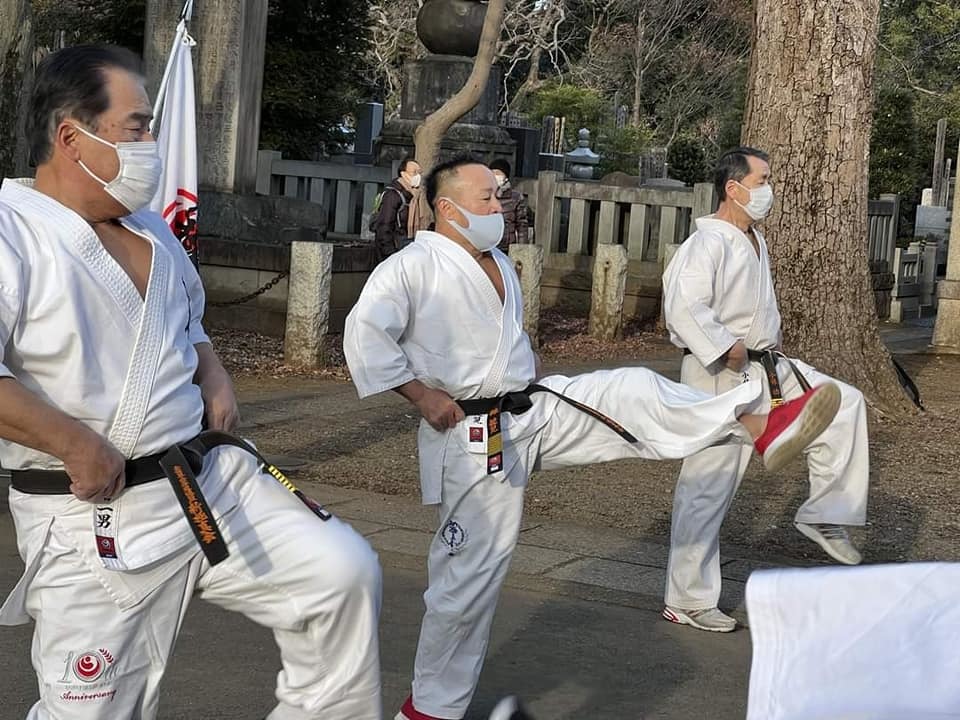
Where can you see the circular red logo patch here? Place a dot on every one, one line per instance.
(89, 666)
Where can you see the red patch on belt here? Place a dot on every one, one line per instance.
(106, 546)
(476, 434)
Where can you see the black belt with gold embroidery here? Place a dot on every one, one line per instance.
(769, 358)
(517, 403)
(180, 465)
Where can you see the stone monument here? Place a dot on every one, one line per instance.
(228, 64)
(450, 29)
(946, 331)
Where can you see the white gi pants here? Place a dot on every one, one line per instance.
(315, 583)
(838, 463)
(480, 515)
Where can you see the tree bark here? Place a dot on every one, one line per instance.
(429, 133)
(810, 105)
(16, 79)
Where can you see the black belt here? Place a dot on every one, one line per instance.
(517, 403)
(180, 465)
(56, 482)
(768, 358)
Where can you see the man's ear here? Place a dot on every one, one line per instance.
(66, 139)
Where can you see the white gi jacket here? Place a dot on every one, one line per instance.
(75, 331)
(717, 291)
(430, 313)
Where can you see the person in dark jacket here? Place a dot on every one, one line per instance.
(514, 203)
(393, 225)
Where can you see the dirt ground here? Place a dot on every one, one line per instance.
(915, 462)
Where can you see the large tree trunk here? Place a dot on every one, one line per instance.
(429, 133)
(16, 79)
(810, 105)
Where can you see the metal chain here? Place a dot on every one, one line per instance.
(250, 296)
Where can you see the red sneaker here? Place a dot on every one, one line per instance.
(409, 712)
(796, 424)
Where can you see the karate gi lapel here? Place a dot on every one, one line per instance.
(508, 329)
(766, 315)
(483, 291)
(134, 401)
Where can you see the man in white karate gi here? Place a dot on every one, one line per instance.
(441, 323)
(721, 309)
(104, 368)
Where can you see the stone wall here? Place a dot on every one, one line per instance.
(245, 243)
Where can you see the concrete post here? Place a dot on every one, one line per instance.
(528, 260)
(946, 331)
(308, 303)
(548, 211)
(231, 41)
(704, 201)
(606, 295)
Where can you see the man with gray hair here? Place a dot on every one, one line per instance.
(721, 310)
(106, 379)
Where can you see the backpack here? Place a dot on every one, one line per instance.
(378, 201)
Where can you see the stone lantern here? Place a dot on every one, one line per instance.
(450, 29)
(582, 160)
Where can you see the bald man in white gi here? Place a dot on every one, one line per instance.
(441, 323)
(721, 309)
(105, 373)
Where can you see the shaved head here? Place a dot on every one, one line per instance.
(447, 180)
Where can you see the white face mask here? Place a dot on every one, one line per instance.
(484, 232)
(761, 201)
(415, 181)
(137, 179)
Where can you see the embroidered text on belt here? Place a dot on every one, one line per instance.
(517, 403)
(769, 358)
(180, 465)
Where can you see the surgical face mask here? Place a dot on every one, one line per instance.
(485, 231)
(761, 201)
(139, 175)
(415, 180)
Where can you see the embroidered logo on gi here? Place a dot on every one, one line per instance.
(89, 666)
(104, 517)
(107, 547)
(453, 536)
(476, 434)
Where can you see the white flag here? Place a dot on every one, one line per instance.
(175, 110)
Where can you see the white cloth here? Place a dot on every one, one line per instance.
(431, 313)
(839, 470)
(75, 332)
(869, 643)
(717, 290)
(315, 583)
